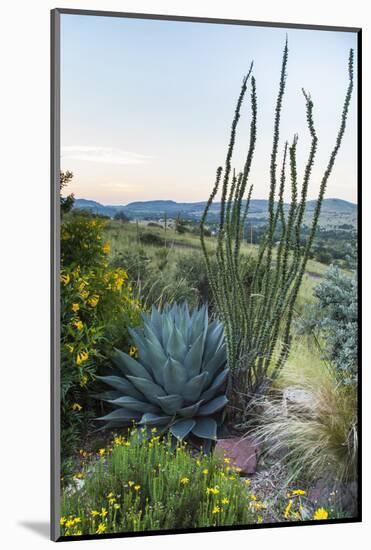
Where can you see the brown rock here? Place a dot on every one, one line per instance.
(243, 453)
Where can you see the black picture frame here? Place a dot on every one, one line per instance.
(55, 263)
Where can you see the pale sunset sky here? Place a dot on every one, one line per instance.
(146, 105)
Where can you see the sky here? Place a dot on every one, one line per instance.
(147, 106)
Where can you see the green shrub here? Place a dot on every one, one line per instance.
(178, 381)
(151, 238)
(139, 485)
(336, 315)
(97, 306)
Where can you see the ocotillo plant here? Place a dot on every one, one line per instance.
(258, 319)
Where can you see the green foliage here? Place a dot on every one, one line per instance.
(97, 306)
(67, 202)
(140, 485)
(334, 318)
(121, 216)
(151, 238)
(177, 384)
(258, 322)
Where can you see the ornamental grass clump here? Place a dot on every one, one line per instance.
(177, 383)
(258, 319)
(140, 484)
(315, 434)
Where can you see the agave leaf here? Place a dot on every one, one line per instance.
(107, 395)
(170, 403)
(176, 347)
(199, 324)
(205, 428)
(121, 415)
(216, 386)
(128, 365)
(151, 390)
(154, 419)
(213, 406)
(193, 359)
(121, 384)
(193, 388)
(175, 376)
(156, 323)
(214, 339)
(135, 405)
(181, 428)
(154, 359)
(191, 410)
(137, 337)
(216, 362)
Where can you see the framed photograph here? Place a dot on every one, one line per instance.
(206, 191)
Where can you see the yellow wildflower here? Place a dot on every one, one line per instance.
(110, 495)
(102, 452)
(260, 519)
(78, 475)
(62, 520)
(225, 500)
(205, 471)
(299, 492)
(76, 407)
(212, 490)
(75, 307)
(94, 513)
(70, 348)
(131, 483)
(69, 524)
(101, 529)
(116, 506)
(65, 279)
(82, 356)
(288, 509)
(78, 532)
(320, 513)
(79, 324)
(93, 300)
(106, 248)
(184, 480)
(84, 380)
(247, 482)
(111, 501)
(216, 510)
(227, 460)
(133, 351)
(103, 512)
(136, 488)
(154, 430)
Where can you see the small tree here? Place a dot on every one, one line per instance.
(67, 202)
(121, 216)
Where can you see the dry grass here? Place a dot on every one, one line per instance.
(316, 432)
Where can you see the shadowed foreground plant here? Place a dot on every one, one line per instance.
(258, 320)
(178, 381)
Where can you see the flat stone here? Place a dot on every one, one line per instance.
(243, 453)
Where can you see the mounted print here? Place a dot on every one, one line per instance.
(205, 218)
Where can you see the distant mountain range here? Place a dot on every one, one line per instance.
(334, 211)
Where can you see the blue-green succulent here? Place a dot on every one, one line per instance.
(178, 381)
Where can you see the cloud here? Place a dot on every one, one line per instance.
(107, 155)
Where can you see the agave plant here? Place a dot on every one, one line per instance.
(178, 381)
